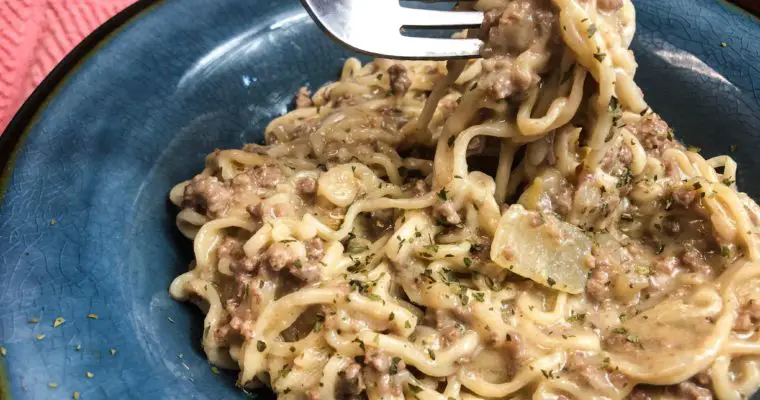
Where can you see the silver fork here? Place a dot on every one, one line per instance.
(374, 27)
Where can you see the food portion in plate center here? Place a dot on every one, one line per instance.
(517, 226)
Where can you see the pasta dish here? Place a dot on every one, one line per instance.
(518, 226)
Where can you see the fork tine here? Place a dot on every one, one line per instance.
(412, 48)
(415, 17)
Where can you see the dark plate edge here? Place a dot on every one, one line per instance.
(17, 130)
(15, 133)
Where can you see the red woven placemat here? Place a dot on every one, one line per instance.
(36, 34)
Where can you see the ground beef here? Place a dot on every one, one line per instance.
(381, 372)
(692, 391)
(400, 82)
(654, 134)
(303, 98)
(609, 5)
(308, 272)
(259, 211)
(620, 342)
(265, 177)
(748, 316)
(243, 326)
(280, 255)
(504, 79)
(695, 261)
(588, 370)
(446, 212)
(685, 195)
(208, 195)
(315, 249)
(268, 176)
(449, 327)
(307, 186)
(232, 249)
(517, 27)
(615, 157)
(639, 394)
(598, 285)
(378, 360)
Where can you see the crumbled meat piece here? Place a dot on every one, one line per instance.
(692, 391)
(306, 185)
(504, 79)
(446, 212)
(703, 378)
(266, 177)
(229, 248)
(245, 327)
(639, 394)
(315, 249)
(449, 327)
(616, 156)
(620, 342)
(609, 5)
(400, 82)
(303, 98)
(519, 25)
(207, 194)
(685, 195)
(588, 370)
(280, 255)
(380, 361)
(259, 211)
(598, 285)
(654, 134)
(748, 316)
(695, 261)
(309, 272)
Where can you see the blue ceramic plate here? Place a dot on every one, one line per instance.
(85, 227)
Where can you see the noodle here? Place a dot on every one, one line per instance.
(516, 226)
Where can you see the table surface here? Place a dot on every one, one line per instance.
(37, 34)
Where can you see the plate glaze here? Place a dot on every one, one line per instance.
(85, 226)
